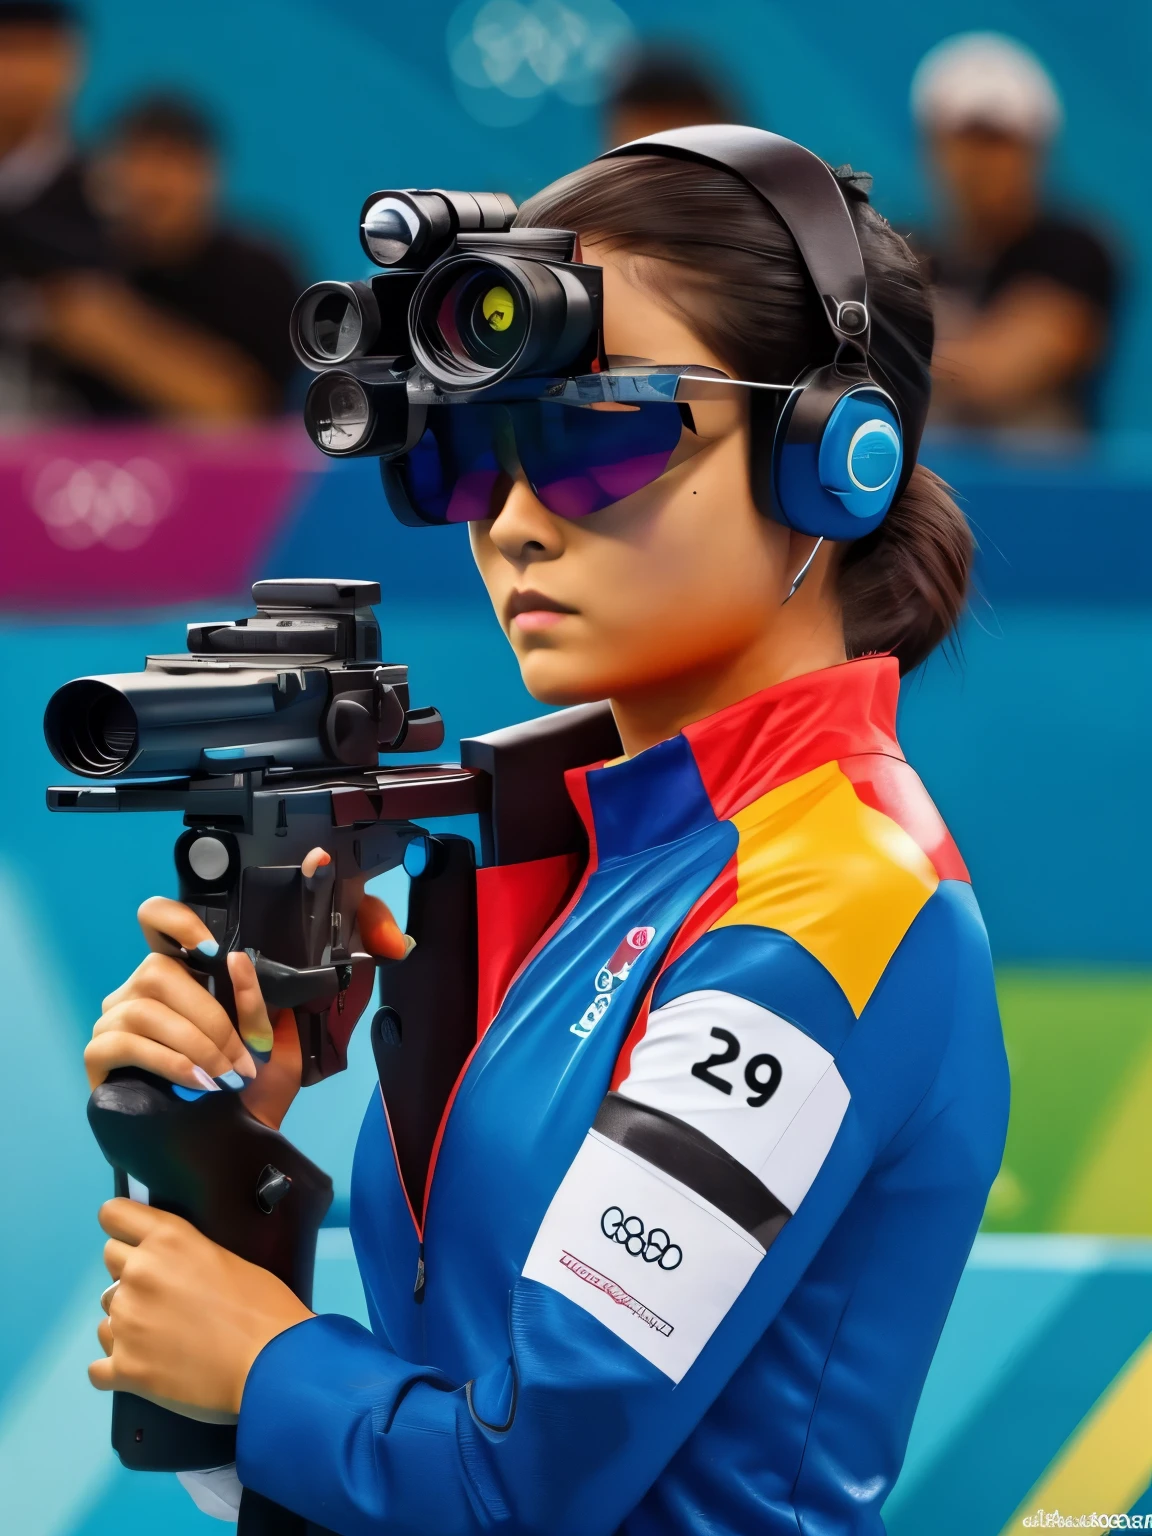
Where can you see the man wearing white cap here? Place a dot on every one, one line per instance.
(1024, 296)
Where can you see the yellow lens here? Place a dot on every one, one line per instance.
(498, 308)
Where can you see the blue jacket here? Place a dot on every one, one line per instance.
(707, 1182)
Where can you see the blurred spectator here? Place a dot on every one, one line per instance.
(1025, 295)
(661, 87)
(196, 324)
(46, 221)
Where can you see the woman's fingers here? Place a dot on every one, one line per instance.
(102, 1373)
(153, 1020)
(162, 918)
(251, 1013)
(167, 981)
(128, 1221)
(313, 861)
(117, 1048)
(380, 931)
(116, 1255)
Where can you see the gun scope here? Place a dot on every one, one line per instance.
(298, 686)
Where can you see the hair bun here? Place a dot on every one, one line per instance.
(855, 185)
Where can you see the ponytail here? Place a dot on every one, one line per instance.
(903, 588)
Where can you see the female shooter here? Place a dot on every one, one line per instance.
(707, 1183)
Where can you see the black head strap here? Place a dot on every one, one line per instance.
(805, 194)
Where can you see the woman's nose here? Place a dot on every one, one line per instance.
(525, 530)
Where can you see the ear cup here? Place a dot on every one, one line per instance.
(837, 456)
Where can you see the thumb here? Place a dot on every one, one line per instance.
(381, 932)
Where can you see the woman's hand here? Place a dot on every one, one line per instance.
(187, 1318)
(164, 1021)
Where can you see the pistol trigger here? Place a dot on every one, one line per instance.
(343, 982)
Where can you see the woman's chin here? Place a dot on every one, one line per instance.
(554, 678)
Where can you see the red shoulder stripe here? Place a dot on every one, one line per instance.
(892, 786)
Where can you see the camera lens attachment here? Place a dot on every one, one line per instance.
(91, 728)
(346, 414)
(478, 319)
(333, 323)
(411, 228)
(400, 228)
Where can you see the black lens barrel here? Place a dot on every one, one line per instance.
(352, 413)
(156, 723)
(91, 728)
(410, 227)
(334, 322)
(556, 320)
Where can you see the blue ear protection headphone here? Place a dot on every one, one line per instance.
(832, 461)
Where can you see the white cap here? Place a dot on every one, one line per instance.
(985, 79)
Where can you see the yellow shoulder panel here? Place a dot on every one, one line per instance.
(840, 878)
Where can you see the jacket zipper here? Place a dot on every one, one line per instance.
(421, 1225)
(421, 1222)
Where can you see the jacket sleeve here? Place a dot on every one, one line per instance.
(742, 1121)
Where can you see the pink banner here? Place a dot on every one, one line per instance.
(97, 518)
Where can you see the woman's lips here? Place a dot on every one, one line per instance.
(537, 618)
(530, 612)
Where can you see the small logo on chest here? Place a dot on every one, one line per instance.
(611, 976)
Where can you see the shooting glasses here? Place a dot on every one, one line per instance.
(582, 443)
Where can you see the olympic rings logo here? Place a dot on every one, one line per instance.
(654, 1247)
(99, 502)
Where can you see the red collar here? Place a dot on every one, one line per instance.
(715, 767)
(776, 735)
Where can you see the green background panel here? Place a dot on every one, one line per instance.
(1079, 1150)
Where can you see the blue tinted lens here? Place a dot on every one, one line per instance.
(577, 460)
(580, 460)
(453, 474)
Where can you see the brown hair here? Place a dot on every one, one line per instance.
(741, 285)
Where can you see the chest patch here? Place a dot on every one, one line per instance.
(612, 976)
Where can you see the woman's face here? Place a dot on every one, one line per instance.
(680, 578)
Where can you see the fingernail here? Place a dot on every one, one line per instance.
(409, 946)
(259, 1040)
(204, 1080)
(232, 1080)
(208, 947)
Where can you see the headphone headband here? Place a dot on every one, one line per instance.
(837, 455)
(802, 191)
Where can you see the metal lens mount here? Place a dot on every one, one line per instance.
(333, 323)
(347, 414)
(478, 319)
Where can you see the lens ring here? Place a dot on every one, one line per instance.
(476, 320)
(92, 728)
(338, 413)
(333, 323)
